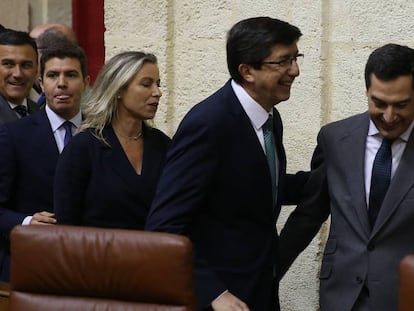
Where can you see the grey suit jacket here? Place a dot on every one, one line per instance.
(355, 256)
(9, 115)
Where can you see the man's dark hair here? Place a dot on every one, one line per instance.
(2, 28)
(390, 62)
(64, 50)
(15, 37)
(251, 40)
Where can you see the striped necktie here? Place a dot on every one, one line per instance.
(21, 110)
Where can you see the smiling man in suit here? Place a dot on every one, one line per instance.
(364, 169)
(18, 69)
(225, 175)
(29, 148)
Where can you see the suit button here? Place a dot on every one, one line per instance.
(359, 280)
(371, 247)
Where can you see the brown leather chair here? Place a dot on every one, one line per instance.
(407, 284)
(69, 268)
(4, 296)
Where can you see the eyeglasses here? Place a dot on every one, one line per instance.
(287, 62)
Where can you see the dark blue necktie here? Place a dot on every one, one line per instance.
(269, 142)
(21, 110)
(67, 125)
(380, 179)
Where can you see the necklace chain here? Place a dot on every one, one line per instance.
(136, 137)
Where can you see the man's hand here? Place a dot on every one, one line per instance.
(228, 302)
(43, 218)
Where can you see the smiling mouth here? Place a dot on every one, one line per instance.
(286, 83)
(389, 127)
(17, 84)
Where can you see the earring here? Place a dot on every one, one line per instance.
(118, 97)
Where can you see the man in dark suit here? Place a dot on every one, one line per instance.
(225, 174)
(364, 169)
(18, 69)
(47, 36)
(29, 148)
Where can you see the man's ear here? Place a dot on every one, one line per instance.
(247, 72)
(87, 81)
(39, 79)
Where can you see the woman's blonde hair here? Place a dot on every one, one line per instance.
(114, 77)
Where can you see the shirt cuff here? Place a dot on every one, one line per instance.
(226, 291)
(27, 220)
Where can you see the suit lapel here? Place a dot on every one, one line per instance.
(248, 137)
(42, 131)
(278, 134)
(401, 183)
(352, 153)
(32, 106)
(6, 113)
(117, 159)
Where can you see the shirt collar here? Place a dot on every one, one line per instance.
(256, 113)
(56, 121)
(24, 103)
(373, 131)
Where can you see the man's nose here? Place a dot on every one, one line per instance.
(61, 81)
(389, 114)
(294, 69)
(17, 72)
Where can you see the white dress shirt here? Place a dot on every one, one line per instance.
(373, 143)
(56, 122)
(256, 113)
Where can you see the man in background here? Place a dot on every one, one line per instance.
(29, 148)
(48, 36)
(18, 70)
(67, 31)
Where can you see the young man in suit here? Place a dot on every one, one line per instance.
(363, 167)
(225, 174)
(29, 148)
(18, 69)
(47, 36)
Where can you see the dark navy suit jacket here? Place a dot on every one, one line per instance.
(95, 184)
(9, 115)
(216, 188)
(28, 156)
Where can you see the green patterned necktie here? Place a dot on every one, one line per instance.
(269, 142)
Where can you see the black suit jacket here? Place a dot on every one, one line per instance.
(28, 156)
(216, 188)
(9, 115)
(95, 184)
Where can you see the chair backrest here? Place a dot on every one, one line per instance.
(406, 302)
(70, 268)
(4, 296)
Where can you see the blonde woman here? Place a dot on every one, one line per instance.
(106, 175)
